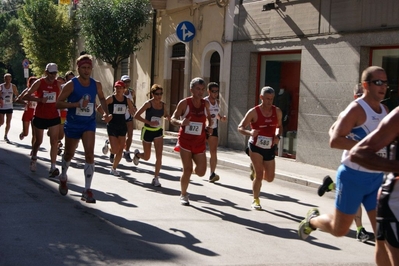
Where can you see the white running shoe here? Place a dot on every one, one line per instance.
(136, 158)
(184, 200)
(32, 165)
(114, 172)
(106, 147)
(155, 182)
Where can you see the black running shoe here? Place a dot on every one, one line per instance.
(327, 181)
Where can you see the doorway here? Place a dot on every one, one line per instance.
(177, 88)
(282, 73)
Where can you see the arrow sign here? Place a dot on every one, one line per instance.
(185, 31)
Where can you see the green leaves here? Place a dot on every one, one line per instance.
(47, 33)
(112, 29)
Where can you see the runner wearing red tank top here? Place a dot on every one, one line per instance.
(264, 119)
(46, 115)
(191, 114)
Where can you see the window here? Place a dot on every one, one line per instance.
(125, 67)
(179, 50)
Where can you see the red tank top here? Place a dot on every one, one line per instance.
(51, 91)
(196, 130)
(267, 128)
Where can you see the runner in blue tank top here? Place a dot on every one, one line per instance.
(79, 96)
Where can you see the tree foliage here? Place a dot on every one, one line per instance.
(113, 29)
(11, 53)
(47, 34)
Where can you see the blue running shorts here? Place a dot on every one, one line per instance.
(356, 187)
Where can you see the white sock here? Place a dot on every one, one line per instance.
(64, 167)
(89, 171)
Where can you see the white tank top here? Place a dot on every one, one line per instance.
(360, 132)
(7, 95)
(214, 111)
(129, 96)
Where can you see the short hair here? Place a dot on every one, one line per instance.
(196, 81)
(368, 72)
(212, 85)
(155, 87)
(69, 73)
(267, 90)
(84, 57)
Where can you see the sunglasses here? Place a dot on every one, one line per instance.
(379, 82)
(158, 93)
(214, 91)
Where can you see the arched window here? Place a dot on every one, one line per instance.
(215, 67)
(179, 50)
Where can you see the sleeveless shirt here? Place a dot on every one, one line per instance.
(360, 132)
(267, 128)
(50, 91)
(195, 131)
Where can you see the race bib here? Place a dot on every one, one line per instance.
(119, 109)
(7, 100)
(158, 119)
(194, 128)
(51, 96)
(32, 104)
(85, 111)
(264, 142)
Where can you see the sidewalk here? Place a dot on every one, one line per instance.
(286, 169)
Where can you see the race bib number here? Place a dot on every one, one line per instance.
(85, 111)
(32, 104)
(158, 119)
(194, 128)
(264, 142)
(51, 96)
(383, 152)
(119, 109)
(7, 100)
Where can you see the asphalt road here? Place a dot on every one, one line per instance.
(133, 223)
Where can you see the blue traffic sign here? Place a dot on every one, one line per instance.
(25, 63)
(185, 31)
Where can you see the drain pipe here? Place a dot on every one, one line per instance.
(154, 31)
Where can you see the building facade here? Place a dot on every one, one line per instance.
(315, 51)
(311, 52)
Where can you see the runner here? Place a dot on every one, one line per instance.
(8, 92)
(355, 184)
(80, 93)
(116, 127)
(365, 153)
(131, 96)
(29, 110)
(45, 91)
(152, 131)
(63, 113)
(212, 98)
(264, 120)
(191, 114)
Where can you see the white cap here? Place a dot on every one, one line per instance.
(51, 67)
(125, 78)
